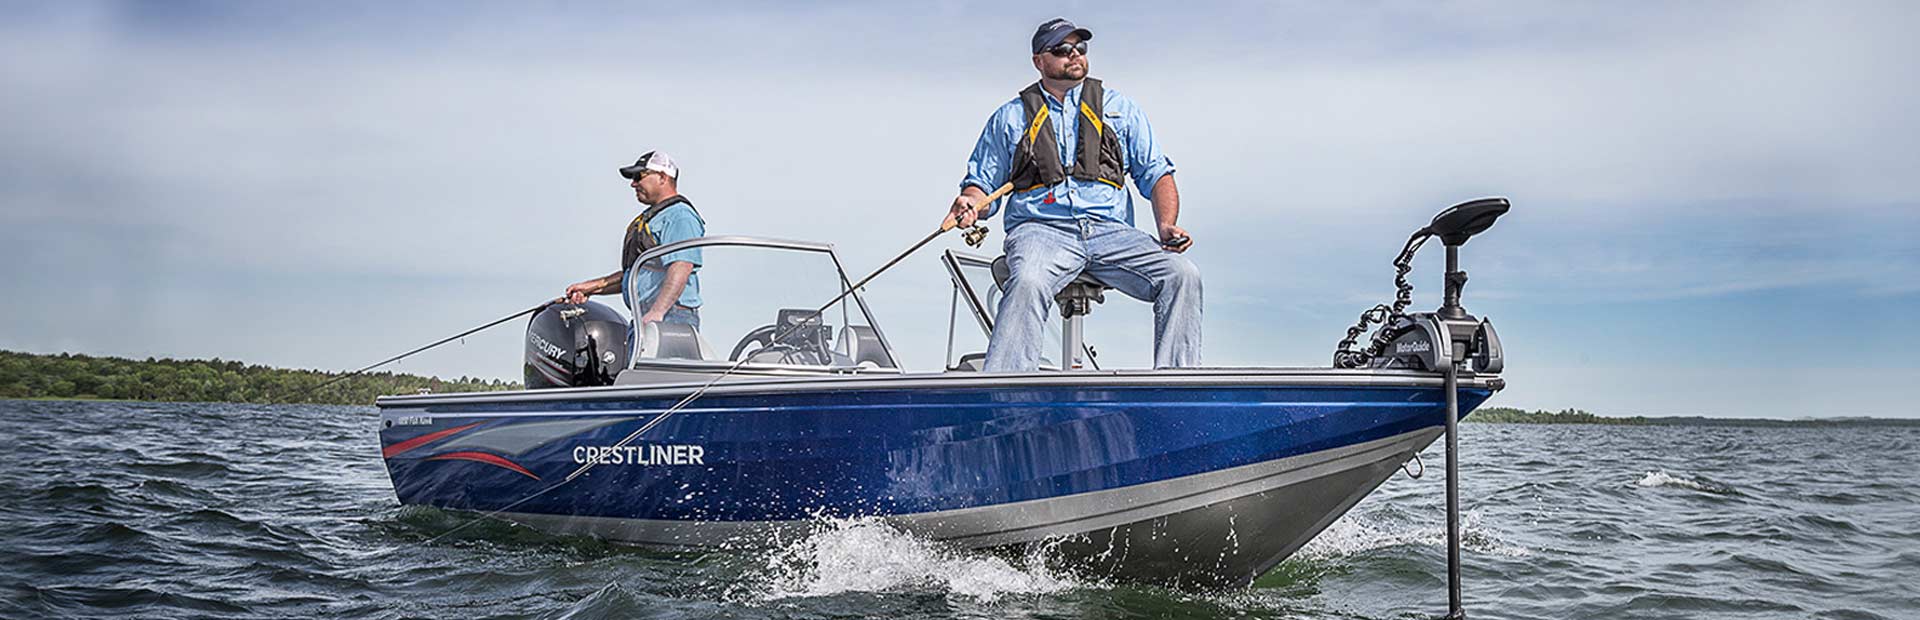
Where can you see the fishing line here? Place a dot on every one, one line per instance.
(316, 388)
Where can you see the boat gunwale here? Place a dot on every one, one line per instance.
(1167, 377)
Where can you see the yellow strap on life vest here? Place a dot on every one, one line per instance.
(1033, 128)
(1099, 128)
(640, 222)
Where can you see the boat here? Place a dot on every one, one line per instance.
(1192, 478)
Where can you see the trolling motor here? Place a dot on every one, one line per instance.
(1447, 340)
(1435, 340)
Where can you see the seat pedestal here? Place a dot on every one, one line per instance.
(1076, 301)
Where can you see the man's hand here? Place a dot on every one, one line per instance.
(653, 316)
(1175, 239)
(963, 214)
(578, 292)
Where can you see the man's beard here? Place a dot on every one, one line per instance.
(1068, 72)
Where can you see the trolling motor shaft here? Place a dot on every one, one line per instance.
(1447, 340)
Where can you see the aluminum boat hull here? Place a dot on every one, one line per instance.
(1202, 478)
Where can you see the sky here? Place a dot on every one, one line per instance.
(1716, 205)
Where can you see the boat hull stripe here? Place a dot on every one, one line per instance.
(482, 457)
(399, 448)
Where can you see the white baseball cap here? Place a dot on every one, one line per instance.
(657, 161)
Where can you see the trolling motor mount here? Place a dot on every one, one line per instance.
(1448, 336)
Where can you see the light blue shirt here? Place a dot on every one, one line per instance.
(992, 161)
(672, 225)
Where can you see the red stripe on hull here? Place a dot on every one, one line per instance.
(389, 451)
(482, 457)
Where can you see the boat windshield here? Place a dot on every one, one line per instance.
(976, 300)
(755, 300)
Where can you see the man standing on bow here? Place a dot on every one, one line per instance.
(666, 288)
(1068, 144)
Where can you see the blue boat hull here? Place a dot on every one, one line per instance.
(1189, 482)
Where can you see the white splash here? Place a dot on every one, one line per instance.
(1355, 535)
(1663, 479)
(868, 555)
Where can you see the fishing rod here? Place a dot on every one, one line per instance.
(973, 236)
(401, 356)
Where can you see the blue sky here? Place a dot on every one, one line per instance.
(1716, 208)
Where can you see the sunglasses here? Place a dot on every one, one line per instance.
(1064, 50)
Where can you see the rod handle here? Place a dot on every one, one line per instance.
(979, 206)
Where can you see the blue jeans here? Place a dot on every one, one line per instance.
(683, 315)
(1043, 256)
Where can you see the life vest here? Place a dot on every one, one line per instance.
(640, 235)
(1036, 158)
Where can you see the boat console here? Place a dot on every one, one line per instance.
(743, 281)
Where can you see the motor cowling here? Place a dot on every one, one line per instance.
(1426, 341)
(575, 345)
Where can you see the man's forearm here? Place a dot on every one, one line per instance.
(1166, 201)
(611, 283)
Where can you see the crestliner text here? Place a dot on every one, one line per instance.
(645, 454)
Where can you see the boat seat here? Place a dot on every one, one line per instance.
(673, 341)
(860, 345)
(971, 362)
(1076, 299)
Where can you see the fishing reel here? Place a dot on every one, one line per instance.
(975, 236)
(1448, 336)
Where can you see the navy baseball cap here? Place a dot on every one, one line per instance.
(1055, 31)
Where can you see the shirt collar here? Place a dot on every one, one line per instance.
(1072, 93)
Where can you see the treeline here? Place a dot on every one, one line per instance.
(1575, 416)
(28, 375)
(1510, 415)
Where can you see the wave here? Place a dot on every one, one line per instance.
(1357, 535)
(1698, 483)
(867, 555)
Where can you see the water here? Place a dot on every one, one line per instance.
(206, 510)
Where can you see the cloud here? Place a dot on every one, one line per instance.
(169, 167)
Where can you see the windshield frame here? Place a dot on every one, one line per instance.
(776, 244)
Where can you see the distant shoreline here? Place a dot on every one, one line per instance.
(66, 376)
(1509, 415)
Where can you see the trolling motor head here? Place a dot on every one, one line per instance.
(1462, 221)
(1448, 335)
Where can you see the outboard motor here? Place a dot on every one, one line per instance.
(575, 345)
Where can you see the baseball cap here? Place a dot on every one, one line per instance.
(656, 161)
(1055, 31)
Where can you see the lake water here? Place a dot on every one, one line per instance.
(209, 510)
